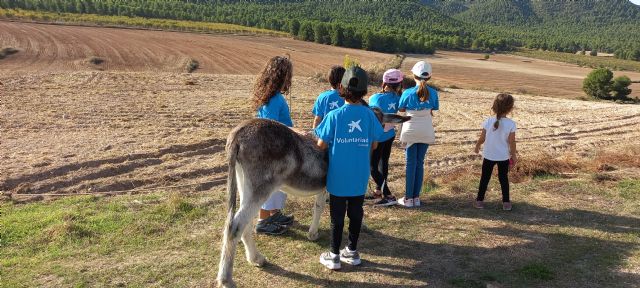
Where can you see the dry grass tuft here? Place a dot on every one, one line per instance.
(609, 160)
(543, 165)
(376, 71)
(71, 228)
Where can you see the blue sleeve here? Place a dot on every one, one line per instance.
(404, 101)
(436, 100)
(376, 128)
(269, 111)
(373, 101)
(285, 115)
(326, 129)
(318, 109)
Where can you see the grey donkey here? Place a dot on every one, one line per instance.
(266, 156)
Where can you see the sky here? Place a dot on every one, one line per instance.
(637, 2)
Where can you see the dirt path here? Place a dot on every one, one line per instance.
(106, 131)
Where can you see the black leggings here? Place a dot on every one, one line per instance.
(380, 165)
(503, 176)
(337, 208)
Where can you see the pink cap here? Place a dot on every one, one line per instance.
(392, 76)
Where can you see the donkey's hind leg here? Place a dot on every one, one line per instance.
(253, 256)
(318, 207)
(250, 201)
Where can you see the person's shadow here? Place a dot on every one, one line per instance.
(572, 248)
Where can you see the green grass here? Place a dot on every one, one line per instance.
(552, 238)
(137, 22)
(536, 271)
(629, 189)
(582, 60)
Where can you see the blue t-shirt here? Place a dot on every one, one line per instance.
(410, 101)
(388, 103)
(349, 132)
(276, 109)
(327, 101)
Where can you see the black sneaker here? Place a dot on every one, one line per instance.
(270, 228)
(350, 257)
(387, 201)
(281, 219)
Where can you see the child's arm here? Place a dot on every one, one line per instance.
(480, 141)
(316, 121)
(321, 144)
(512, 148)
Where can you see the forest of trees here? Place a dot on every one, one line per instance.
(385, 26)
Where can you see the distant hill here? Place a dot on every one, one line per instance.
(567, 26)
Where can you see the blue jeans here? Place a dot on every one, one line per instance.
(415, 155)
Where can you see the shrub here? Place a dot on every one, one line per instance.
(620, 87)
(96, 60)
(598, 83)
(192, 65)
(7, 51)
(486, 56)
(593, 53)
(349, 62)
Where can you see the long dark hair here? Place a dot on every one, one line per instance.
(275, 77)
(502, 105)
(423, 89)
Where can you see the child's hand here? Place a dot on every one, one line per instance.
(513, 161)
(477, 149)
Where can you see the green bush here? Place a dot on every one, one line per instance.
(620, 87)
(593, 53)
(598, 83)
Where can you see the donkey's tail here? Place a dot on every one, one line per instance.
(232, 185)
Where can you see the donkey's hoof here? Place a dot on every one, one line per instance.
(313, 235)
(259, 260)
(228, 283)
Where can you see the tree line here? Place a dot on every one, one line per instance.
(384, 26)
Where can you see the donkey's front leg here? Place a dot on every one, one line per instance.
(321, 199)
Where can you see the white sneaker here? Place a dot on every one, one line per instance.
(405, 202)
(416, 202)
(350, 257)
(330, 261)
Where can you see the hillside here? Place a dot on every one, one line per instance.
(565, 26)
(403, 26)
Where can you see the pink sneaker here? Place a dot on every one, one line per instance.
(406, 202)
(416, 202)
(506, 206)
(478, 204)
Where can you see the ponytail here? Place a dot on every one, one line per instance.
(423, 90)
(502, 105)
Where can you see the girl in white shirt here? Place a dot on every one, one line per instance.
(499, 139)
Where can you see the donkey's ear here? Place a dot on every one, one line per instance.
(395, 118)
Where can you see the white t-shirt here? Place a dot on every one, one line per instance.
(496, 143)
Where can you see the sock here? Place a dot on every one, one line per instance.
(333, 254)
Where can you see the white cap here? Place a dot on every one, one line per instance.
(422, 69)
